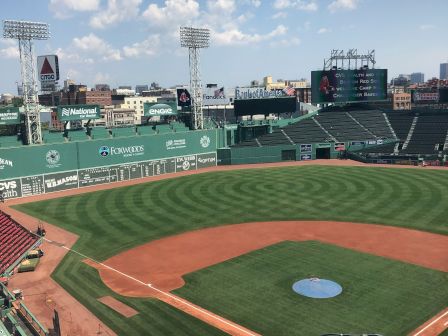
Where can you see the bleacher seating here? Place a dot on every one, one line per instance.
(342, 127)
(78, 135)
(374, 121)
(10, 141)
(15, 240)
(401, 123)
(100, 133)
(179, 126)
(162, 129)
(305, 131)
(428, 136)
(430, 132)
(52, 137)
(145, 130)
(123, 131)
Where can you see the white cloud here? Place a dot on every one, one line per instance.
(324, 30)
(280, 15)
(256, 3)
(337, 5)
(286, 42)
(236, 37)
(9, 52)
(64, 9)
(427, 26)
(11, 49)
(116, 11)
(303, 5)
(72, 73)
(72, 57)
(307, 25)
(101, 77)
(95, 45)
(173, 14)
(8, 42)
(221, 6)
(148, 47)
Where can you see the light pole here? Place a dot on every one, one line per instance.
(25, 32)
(194, 39)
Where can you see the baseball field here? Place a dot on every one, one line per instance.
(389, 254)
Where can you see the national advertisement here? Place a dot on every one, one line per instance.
(78, 112)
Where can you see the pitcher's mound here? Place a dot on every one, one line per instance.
(317, 288)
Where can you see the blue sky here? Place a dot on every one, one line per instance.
(129, 42)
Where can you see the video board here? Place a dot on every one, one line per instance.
(333, 86)
(265, 106)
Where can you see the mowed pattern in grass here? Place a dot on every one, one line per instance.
(154, 318)
(379, 295)
(111, 221)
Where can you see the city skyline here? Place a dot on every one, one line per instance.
(136, 42)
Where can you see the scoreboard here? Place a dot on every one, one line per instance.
(41, 184)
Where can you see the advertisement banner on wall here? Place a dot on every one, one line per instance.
(9, 116)
(61, 181)
(258, 93)
(215, 96)
(159, 109)
(11, 188)
(305, 157)
(339, 146)
(324, 145)
(306, 148)
(425, 96)
(78, 112)
(357, 143)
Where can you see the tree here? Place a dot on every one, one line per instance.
(17, 101)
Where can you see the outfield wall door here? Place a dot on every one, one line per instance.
(323, 153)
(289, 155)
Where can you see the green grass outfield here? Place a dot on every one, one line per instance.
(111, 221)
(379, 295)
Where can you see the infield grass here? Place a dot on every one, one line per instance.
(111, 221)
(379, 295)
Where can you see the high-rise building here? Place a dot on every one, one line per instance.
(443, 70)
(140, 88)
(417, 77)
(102, 87)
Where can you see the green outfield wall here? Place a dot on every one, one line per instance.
(33, 170)
(265, 154)
(296, 152)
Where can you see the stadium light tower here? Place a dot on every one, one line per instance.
(195, 39)
(25, 32)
